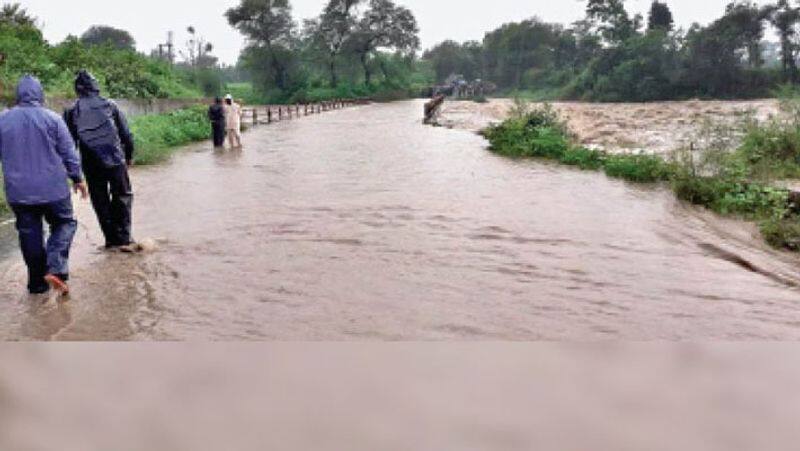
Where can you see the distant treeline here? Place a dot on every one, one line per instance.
(612, 55)
(353, 48)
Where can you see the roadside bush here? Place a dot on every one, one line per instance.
(583, 158)
(782, 233)
(157, 135)
(637, 168)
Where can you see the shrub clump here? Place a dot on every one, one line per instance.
(157, 135)
(540, 133)
(638, 168)
(782, 233)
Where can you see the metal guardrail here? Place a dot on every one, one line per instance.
(268, 114)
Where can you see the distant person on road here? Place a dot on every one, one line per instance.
(216, 114)
(38, 156)
(233, 122)
(106, 147)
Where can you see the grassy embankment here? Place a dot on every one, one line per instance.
(736, 182)
(158, 136)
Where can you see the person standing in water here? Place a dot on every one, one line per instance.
(216, 114)
(38, 156)
(106, 147)
(233, 122)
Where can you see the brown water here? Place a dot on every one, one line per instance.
(399, 397)
(365, 225)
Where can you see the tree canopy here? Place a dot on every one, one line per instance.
(106, 35)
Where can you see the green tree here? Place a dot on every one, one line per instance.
(384, 26)
(15, 14)
(785, 17)
(332, 30)
(746, 20)
(660, 17)
(450, 58)
(106, 35)
(270, 30)
(612, 20)
(517, 49)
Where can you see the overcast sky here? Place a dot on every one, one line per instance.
(150, 20)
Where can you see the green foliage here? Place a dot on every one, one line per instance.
(730, 197)
(530, 133)
(637, 168)
(782, 233)
(583, 158)
(122, 73)
(105, 35)
(158, 135)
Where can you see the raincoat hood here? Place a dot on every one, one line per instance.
(86, 85)
(30, 92)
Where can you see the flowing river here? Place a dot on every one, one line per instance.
(363, 224)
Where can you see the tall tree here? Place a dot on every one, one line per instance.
(106, 35)
(332, 31)
(785, 19)
(198, 51)
(660, 17)
(384, 26)
(612, 20)
(269, 28)
(15, 14)
(451, 58)
(746, 20)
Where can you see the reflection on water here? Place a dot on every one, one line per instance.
(364, 224)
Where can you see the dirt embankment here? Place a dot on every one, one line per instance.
(657, 127)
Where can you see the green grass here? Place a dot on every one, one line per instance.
(731, 190)
(157, 136)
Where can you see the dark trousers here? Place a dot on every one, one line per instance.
(40, 257)
(218, 128)
(112, 198)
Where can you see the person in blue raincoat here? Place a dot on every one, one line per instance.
(39, 158)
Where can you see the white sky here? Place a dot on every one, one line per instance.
(150, 20)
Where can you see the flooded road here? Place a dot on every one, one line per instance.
(364, 224)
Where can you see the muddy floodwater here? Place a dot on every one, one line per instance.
(363, 224)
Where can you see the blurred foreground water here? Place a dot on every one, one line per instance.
(425, 397)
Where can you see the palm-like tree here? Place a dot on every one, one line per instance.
(15, 14)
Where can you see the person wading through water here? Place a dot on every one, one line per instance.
(216, 114)
(233, 122)
(106, 147)
(38, 156)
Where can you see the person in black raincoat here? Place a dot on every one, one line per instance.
(106, 146)
(216, 114)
